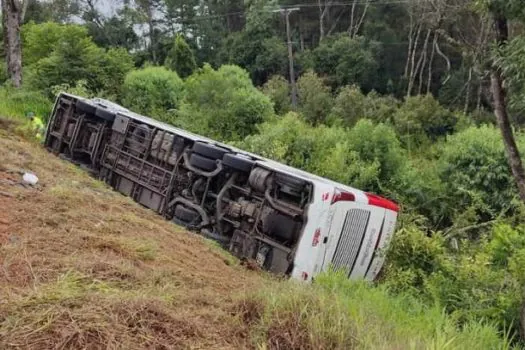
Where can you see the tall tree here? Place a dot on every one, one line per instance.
(148, 10)
(500, 103)
(13, 12)
(181, 58)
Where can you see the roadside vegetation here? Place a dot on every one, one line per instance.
(426, 138)
(84, 267)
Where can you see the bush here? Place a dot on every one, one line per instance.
(223, 104)
(475, 282)
(474, 166)
(315, 99)
(351, 104)
(369, 163)
(380, 152)
(152, 91)
(278, 90)
(422, 117)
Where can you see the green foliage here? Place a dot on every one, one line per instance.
(65, 54)
(278, 90)
(351, 104)
(422, 117)
(79, 89)
(18, 103)
(380, 152)
(180, 58)
(152, 91)
(474, 167)
(511, 59)
(223, 104)
(476, 282)
(348, 61)
(342, 155)
(315, 99)
(257, 48)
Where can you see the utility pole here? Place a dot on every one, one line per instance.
(287, 12)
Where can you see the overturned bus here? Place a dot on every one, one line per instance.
(286, 220)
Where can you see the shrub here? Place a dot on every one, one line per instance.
(345, 156)
(375, 146)
(421, 117)
(152, 91)
(223, 104)
(314, 98)
(278, 90)
(351, 104)
(474, 167)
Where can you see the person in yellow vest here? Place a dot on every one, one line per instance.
(37, 126)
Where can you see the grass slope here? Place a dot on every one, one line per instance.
(82, 267)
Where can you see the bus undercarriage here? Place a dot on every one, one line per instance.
(254, 211)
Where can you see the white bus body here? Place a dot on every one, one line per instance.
(288, 221)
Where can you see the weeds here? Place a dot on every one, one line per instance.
(337, 313)
(17, 103)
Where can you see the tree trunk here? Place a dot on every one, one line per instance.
(11, 18)
(432, 54)
(467, 95)
(500, 110)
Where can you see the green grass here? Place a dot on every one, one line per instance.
(337, 313)
(16, 104)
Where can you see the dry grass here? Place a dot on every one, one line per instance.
(84, 267)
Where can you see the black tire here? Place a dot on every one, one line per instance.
(203, 163)
(185, 215)
(105, 114)
(209, 151)
(85, 107)
(238, 163)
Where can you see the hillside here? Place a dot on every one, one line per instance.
(84, 267)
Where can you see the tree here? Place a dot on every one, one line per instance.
(153, 91)
(314, 98)
(223, 104)
(278, 90)
(181, 58)
(500, 110)
(64, 54)
(147, 10)
(13, 12)
(257, 48)
(347, 61)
